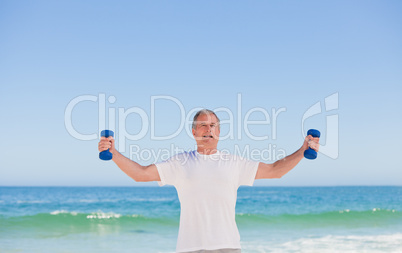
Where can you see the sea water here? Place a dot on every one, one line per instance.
(146, 219)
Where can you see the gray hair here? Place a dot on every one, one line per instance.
(202, 112)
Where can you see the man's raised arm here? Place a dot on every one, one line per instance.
(132, 169)
(284, 165)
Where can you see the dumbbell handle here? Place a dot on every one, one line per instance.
(311, 153)
(106, 155)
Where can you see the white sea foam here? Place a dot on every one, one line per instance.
(101, 215)
(63, 212)
(243, 214)
(94, 215)
(332, 244)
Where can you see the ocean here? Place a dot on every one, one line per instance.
(146, 219)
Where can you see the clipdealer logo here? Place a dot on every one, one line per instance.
(238, 122)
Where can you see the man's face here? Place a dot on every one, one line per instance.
(206, 132)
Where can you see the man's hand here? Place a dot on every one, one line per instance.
(106, 143)
(311, 142)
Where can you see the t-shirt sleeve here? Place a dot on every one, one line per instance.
(168, 171)
(247, 169)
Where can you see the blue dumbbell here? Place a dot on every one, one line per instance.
(311, 153)
(106, 155)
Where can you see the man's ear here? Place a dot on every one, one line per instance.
(193, 130)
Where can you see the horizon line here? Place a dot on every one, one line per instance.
(168, 186)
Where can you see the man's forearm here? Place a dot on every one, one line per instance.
(283, 166)
(131, 168)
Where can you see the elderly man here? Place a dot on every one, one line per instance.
(206, 181)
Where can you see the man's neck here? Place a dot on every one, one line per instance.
(206, 151)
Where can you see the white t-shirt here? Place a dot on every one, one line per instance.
(207, 189)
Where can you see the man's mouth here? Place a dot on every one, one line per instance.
(207, 136)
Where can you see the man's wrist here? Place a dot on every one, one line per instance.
(114, 152)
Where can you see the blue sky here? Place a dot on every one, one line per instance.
(274, 54)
